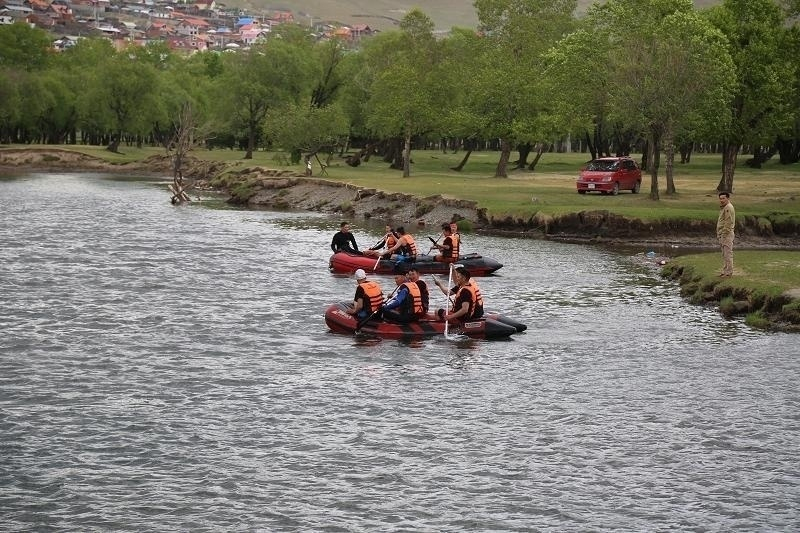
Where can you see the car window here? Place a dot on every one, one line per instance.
(601, 165)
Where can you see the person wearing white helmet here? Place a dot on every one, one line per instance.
(368, 298)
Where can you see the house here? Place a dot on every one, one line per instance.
(192, 27)
(282, 17)
(186, 44)
(361, 30)
(251, 33)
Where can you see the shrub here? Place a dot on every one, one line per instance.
(757, 320)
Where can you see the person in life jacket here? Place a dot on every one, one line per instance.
(450, 246)
(368, 298)
(389, 240)
(406, 305)
(413, 275)
(405, 249)
(468, 300)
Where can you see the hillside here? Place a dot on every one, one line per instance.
(383, 14)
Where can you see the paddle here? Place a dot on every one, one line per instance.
(447, 302)
(377, 261)
(433, 245)
(453, 266)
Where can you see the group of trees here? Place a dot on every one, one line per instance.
(655, 75)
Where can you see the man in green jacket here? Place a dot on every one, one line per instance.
(725, 225)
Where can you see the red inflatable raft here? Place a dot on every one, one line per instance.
(491, 326)
(347, 263)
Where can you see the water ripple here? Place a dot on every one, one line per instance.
(167, 368)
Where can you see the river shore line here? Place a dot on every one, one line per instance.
(260, 187)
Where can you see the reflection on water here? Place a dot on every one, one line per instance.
(168, 368)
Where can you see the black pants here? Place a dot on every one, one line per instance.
(393, 316)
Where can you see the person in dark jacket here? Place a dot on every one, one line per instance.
(344, 241)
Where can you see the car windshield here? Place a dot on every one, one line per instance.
(602, 165)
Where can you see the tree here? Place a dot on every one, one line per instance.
(308, 129)
(125, 90)
(519, 32)
(405, 93)
(761, 101)
(661, 75)
(268, 76)
(25, 47)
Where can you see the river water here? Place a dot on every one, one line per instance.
(168, 368)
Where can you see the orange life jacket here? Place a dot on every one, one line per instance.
(391, 240)
(475, 300)
(374, 295)
(453, 253)
(408, 246)
(414, 305)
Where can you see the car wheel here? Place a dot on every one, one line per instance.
(636, 187)
(581, 192)
(615, 190)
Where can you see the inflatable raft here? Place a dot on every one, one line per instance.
(347, 263)
(491, 326)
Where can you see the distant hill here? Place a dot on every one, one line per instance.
(383, 14)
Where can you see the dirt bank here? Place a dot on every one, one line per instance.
(263, 187)
(56, 159)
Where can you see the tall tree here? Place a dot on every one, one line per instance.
(25, 47)
(519, 32)
(662, 74)
(405, 95)
(269, 75)
(761, 101)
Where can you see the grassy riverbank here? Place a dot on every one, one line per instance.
(550, 189)
(766, 285)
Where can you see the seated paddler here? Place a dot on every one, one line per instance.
(449, 249)
(406, 304)
(368, 298)
(468, 301)
(405, 249)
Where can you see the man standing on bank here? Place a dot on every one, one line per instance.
(725, 226)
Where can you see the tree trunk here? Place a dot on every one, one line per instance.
(669, 151)
(590, 146)
(524, 150)
(407, 156)
(686, 153)
(729, 152)
(463, 162)
(655, 160)
(251, 140)
(502, 164)
(788, 150)
(539, 151)
(113, 146)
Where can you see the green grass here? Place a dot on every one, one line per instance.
(549, 190)
(769, 273)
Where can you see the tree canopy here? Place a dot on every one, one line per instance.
(631, 75)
